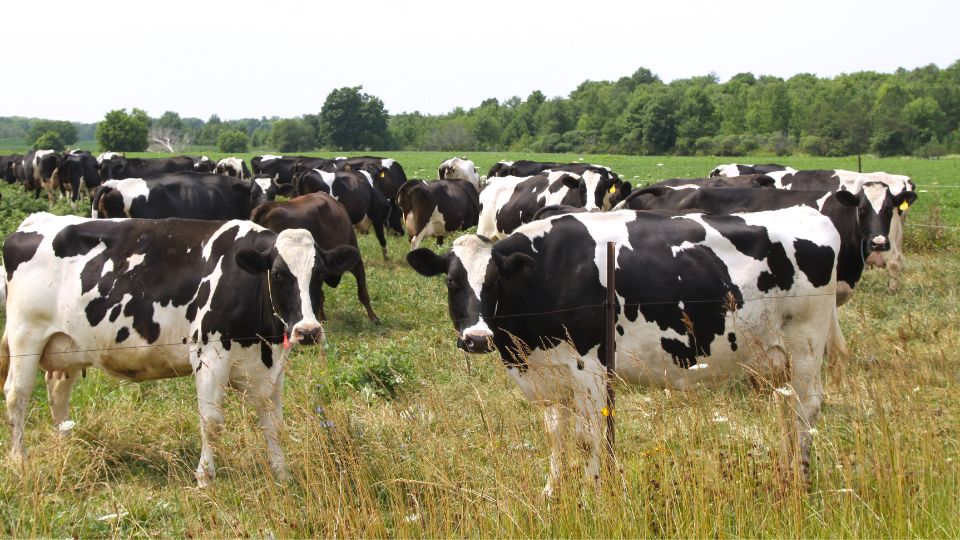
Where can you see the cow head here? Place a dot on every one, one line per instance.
(230, 166)
(594, 188)
(204, 165)
(461, 168)
(475, 275)
(264, 188)
(8, 168)
(295, 268)
(502, 168)
(876, 210)
(112, 168)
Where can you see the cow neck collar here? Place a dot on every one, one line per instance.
(268, 313)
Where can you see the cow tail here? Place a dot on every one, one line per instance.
(836, 349)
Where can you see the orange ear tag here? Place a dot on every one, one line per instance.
(286, 341)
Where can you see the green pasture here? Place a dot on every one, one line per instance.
(391, 431)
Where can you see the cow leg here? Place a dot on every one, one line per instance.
(265, 394)
(555, 420)
(59, 386)
(589, 397)
(801, 406)
(212, 377)
(440, 240)
(416, 240)
(378, 230)
(362, 293)
(24, 361)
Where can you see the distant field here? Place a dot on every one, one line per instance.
(391, 431)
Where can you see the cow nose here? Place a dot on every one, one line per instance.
(879, 243)
(476, 343)
(308, 334)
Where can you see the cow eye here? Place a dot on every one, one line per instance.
(277, 276)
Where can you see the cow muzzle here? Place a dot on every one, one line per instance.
(476, 343)
(879, 243)
(307, 333)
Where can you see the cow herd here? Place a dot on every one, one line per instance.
(735, 275)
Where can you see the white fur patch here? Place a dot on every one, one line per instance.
(269, 157)
(297, 248)
(876, 194)
(264, 183)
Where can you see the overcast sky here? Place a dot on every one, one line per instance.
(77, 60)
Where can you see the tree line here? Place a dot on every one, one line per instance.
(908, 112)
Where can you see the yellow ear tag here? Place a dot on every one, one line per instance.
(904, 205)
(382, 174)
(606, 412)
(613, 189)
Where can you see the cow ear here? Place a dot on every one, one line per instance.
(846, 198)
(426, 262)
(440, 172)
(571, 182)
(905, 197)
(340, 259)
(516, 265)
(253, 261)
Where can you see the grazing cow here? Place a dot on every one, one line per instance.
(747, 180)
(145, 300)
(832, 180)
(699, 299)
(862, 220)
(462, 168)
(38, 167)
(508, 202)
(204, 164)
(185, 195)
(438, 208)
(279, 167)
(118, 168)
(328, 222)
(8, 167)
(76, 171)
(232, 166)
(365, 204)
(736, 169)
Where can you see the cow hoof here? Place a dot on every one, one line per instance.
(375, 320)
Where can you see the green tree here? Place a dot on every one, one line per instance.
(49, 141)
(66, 131)
(292, 135)
(926, 118)
(231, 140)
(122, 132)
(169, 120)
(351, 119)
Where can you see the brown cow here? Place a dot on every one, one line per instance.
(328, 222)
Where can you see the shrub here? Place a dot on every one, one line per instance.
(232, 141)
(49, 140)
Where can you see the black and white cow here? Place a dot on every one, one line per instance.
(76, 171)
(459, 167)
(232, 166)
(204, 164)
(279, 167)
(365, 204)
(388, 176)
(328, 222)
(118, 168)
(186, 195)
(438, 208)
(863, 227)
(145, 300)
(736, 169)
(107, 156)
(700, 299)
(37, 172)
(8, 167)
(510, 201)
(837, 179)
(747, 180)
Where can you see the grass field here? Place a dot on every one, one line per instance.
(393, 432)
